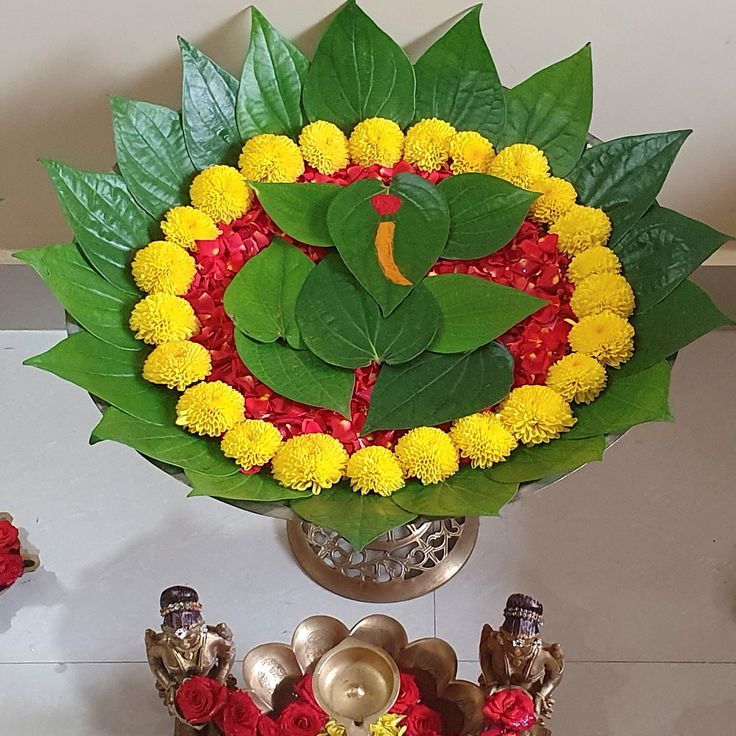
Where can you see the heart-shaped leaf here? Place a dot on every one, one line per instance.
(240, 487)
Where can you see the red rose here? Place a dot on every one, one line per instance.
(512, 709)
(408, 694)
(199, 699)
(498, 731)
(305, 691)
(240, 715)
(421, 720)
(8, 537)
(301, 719)
(11, 568)
(267, 727)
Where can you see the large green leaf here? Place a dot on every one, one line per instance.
(110, 373)
(358, 72)
(470, 492)
(680, 318)
(270, 94)
(342, 324)
(627, 400)
(106, 221)
(552, 110)
(457, 80)
(485, 213)
(208, 109)
(300, 210)
(435, 388)
(360, 519)
(262, 297)
(240, 487)
(151, 154)
(661, 251)
(475, 311)
(422, 224)
(623, 176)
(94, 303)
(168, 443)
(543, 461)
(297, 374)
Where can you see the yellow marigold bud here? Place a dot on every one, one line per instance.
(535, 414)
(222, 193)
(274, 158)
(310, 462)
(605, 337)
(389, 725)
(581, 228)
(471, 152)
(251, 442)
(521, 164)
(558, 196)
(210, 408)
(376, 141)
(186, 225)
(577, 377)
(598, 259)
(375, 470)
(162, 318)
(427, 144)
(163, 268)
(603, 291)
(324, 146)
(333, 728)
(482, 439)
(427, 453)
(177, 364)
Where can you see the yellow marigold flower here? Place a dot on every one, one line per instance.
(535, 414)
(521, 164)
(375, 470)
(605, 337)
(427, 453)
(210, 408)
(332, 728)
(581, 228)
(388, 725)
(376, 141)
(603, 291)
(324, 146)
(471, 152)
(270, 157)
(177, 364)
(163, 318)
(186, 225)
(598, 259)
(251, 442)
(558, 196)
(310, 462)
(482, 439)
(163, 268)
(577, 377)
(221, 192)
(427, 144)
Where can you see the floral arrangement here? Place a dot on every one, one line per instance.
(13, 560)
(372, 290)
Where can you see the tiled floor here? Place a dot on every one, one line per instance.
(633, 558)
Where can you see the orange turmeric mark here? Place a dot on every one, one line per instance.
(385, 251)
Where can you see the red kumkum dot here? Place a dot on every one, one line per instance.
(386, 204)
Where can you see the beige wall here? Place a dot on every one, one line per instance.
(659, 65)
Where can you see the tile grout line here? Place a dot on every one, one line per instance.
(434, 613)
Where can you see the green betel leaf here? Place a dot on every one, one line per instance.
(624, 176)
(240, 487)
(261, 299)
(358, 72)
(421, 227)
(475, 311)
(208, 109)
(360, 519)
(109, 226)
(270, 94)
(111, 374)
(680, 318)
(151, 154)
(552, 110)
(94, 303)
(300, 210)
(167, 443)
(457, 80)
(297, 374)
(342, 324)
(661, 251)
(485, 213)
(469, 492)
(436, 388)
(543, 461)
(626, 401)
